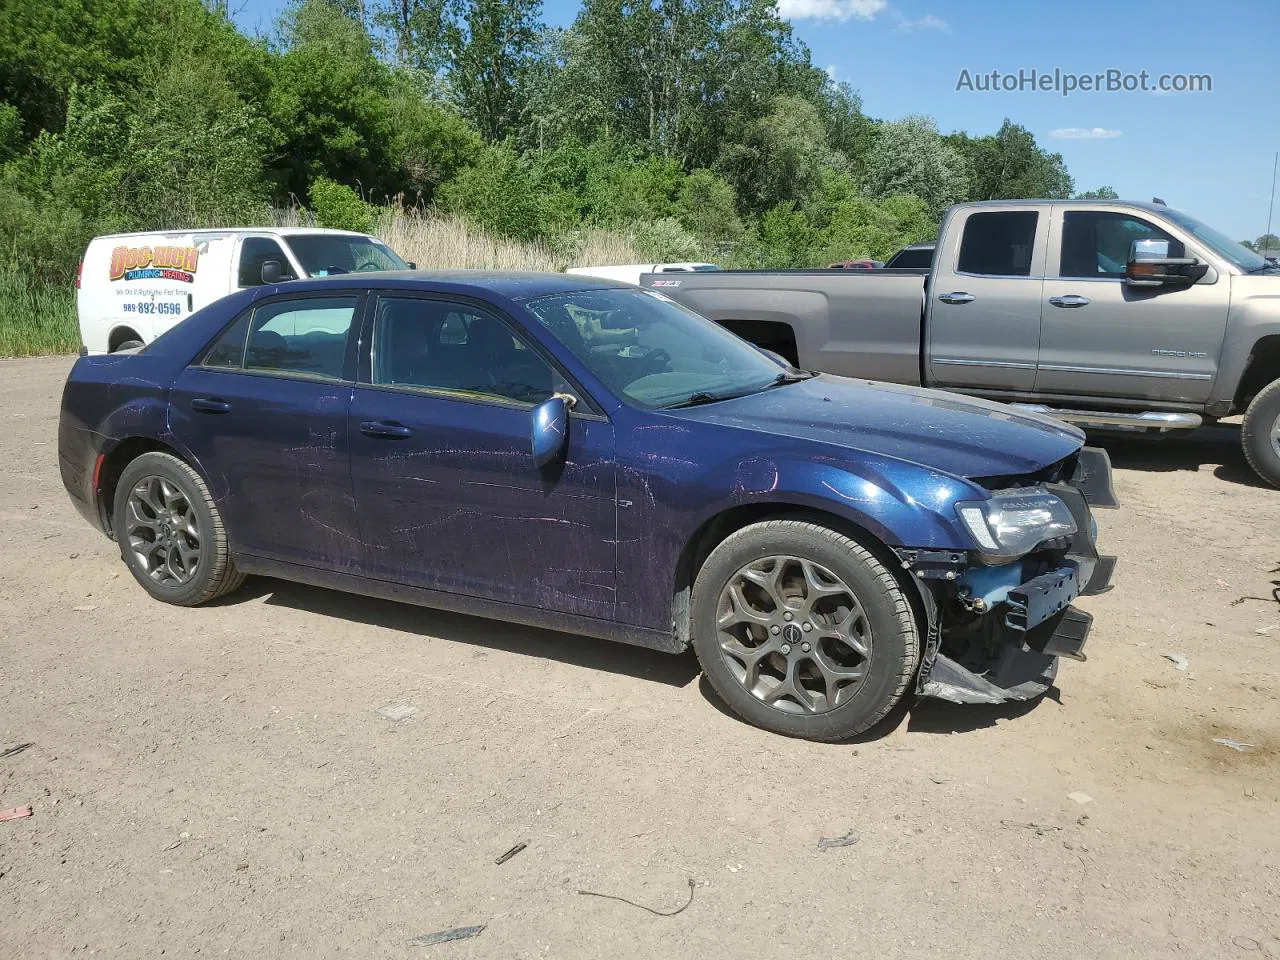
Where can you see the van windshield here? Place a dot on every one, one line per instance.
(323, 254)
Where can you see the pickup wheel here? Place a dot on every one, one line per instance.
(803, 631)
(1260, 434)
(170, 532)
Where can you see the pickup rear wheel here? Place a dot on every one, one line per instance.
(1260, 434)
(803, 631)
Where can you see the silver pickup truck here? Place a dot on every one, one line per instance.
(1109, 315)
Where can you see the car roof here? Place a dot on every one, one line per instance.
(228, 231)
(505, 284)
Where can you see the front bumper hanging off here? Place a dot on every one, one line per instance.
(1036, 619)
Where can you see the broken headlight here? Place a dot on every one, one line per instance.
(1014, 522)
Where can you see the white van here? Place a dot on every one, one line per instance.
(631, 272)
(132, 287)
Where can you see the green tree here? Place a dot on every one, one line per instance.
(1267, 245)
(910, 157)
(1010, 165)
(338, 207)
(707, 207)
(500, 192)
(1102, 193)
(490, 46)
(779, 155)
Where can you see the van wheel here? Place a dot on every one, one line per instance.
(803, 631)
(1260, 434)
(128, 345)
(170, 532)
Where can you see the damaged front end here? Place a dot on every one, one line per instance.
(1000, 616)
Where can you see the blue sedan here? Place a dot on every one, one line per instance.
(563, 452)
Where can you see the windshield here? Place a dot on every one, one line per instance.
(322, 254)
(652, 351)
(1218, 242)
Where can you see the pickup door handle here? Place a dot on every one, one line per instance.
(1070, 300)
(384, 429)
(210, 405)
(959, 297)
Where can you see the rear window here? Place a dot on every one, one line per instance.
(998, 244)
(912, 259)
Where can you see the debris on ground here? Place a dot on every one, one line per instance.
(396, 711)
(511, 853)
(1235, 745)
(1079, 796)
(1178, 660)
(444, 936)
(14, 751)
(848, 840)
(1040, 828)
(655, 912)
(17, 813)
(85, 608)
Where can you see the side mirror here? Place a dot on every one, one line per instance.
(272, 271)
(412, 265)
(551, 428)
(1151, 266)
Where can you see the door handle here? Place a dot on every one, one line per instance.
(1069, 300)
(210, 405)
(958, 297)
(384, 429)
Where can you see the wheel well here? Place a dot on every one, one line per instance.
(770, 334)
(121, 335)
(1264, 367)
(121, 455)
(714, 531)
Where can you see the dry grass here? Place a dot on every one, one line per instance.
(437, 241)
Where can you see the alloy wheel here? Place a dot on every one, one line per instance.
(794, 634)
(162, 530)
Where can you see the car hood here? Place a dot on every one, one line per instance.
(961, 436)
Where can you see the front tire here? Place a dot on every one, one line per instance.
(1260, 434)
(803, 631)
(170, 533)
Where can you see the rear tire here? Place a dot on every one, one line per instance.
(128, 345)
(803, 631)
(170, 533)
(1260, 434)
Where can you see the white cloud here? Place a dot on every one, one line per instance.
(927, 22)
(832, 9)
(1084, 133)
(832, 70)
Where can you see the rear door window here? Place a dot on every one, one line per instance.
(998, 244)
(306, 337)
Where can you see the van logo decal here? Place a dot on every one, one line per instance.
(154, 263)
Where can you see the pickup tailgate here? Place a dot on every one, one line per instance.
(854, 323)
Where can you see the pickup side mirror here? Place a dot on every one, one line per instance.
(272, 271)
(550, 429)
(412, 265)
(1151, 266)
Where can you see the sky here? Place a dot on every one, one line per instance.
(1209, 153)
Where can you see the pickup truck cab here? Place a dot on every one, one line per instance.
(1106, 314)
(132, 287)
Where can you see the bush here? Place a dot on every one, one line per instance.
(665, 240)
(501, 194)
(36, 318)
(338, 207)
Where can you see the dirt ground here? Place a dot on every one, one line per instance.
(217, 781)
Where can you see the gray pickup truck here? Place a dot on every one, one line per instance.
(1110, 315)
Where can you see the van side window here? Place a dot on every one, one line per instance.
(1096, 244)
(998, 244)
(254, 252)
